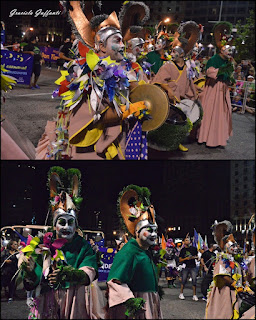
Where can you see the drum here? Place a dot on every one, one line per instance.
(171, 133)
(192, 109)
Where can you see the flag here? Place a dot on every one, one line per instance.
(23, 239)
(163, 242)
(206, 242)
(200, 242)
(195, 239)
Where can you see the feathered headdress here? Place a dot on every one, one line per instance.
(64, 186)
(186, 36)
(132, 17)
(222, 34)
(134, 208)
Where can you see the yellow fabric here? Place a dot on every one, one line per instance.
(92, 59)
(236, 276)
(64, 73)
(89, 137)
(134, 108)
(200, 82)
(79, 135)
(111, 152)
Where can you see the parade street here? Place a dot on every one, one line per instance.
(172, 307)
(30, 110)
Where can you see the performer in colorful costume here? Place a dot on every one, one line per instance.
(14, 146)
(132, 16)
(62, 278)
(223, 298)
(95, 91)
(249, 313)
(216, 126)
(179, 76)
(132, 281)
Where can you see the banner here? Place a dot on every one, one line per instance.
(50, 54)
(19, 65)
(107, 257)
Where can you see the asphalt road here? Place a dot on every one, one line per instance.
(30, 109)
(172, 307)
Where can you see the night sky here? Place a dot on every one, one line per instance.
(190, 194)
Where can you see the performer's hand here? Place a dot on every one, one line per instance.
(53, 276)
(29, 263)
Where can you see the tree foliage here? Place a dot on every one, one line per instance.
(245, 40)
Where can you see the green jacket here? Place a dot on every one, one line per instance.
(134, 266)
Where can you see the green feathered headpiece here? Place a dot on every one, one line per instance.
(65, 187)
(132, 196)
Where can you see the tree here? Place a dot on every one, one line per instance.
(245, 40)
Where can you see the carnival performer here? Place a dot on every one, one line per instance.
(223, 298)
(14, 146)
(95, 89)
(171, 258)
(178, 77)
(64, 280)
(216, 126)
(250, 277)
(133, 36)
(132, 281)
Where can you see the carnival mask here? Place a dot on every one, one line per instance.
(227, 51)
(137, 50)
(176, 53)
(231, 247)
(148, 234)
(115, 47)
(65, 227)
(160, 44)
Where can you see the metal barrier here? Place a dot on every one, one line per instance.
(244, 90)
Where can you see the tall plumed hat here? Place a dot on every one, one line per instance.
(135, 209)
(222, 34)
(84, 24)
(132, 17)
(186, 36)
(221, 230)
(64, 186)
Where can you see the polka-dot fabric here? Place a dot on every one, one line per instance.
(136, 144)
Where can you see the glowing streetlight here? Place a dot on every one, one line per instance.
(114, 233)
(169, 229)
(167, 20)
(31, 29)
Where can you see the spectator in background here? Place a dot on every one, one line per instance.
(236, 102)
(239, 85)
(246, 66)
(250, 100)
(239, 72)
(33, 49)
(66, 51)
(207, 261)
(9, 266)
(188, 255)
(16, 47)
(48, 63)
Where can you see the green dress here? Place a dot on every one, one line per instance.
(154, 58)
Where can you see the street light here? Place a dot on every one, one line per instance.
(114, 233)
(31, 29)
(167, 20)
(169, 229)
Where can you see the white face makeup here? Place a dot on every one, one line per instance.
(148, 235)
(175, 55)
(115, 47)
(65, 227)
(159, 44)
(231, 247)
(227, 51)
(137, 50)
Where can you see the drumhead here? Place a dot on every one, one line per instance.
(190, 108)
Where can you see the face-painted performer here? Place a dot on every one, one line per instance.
(216, 126)
(95, 90)
(178, 77)
(132, 281)
(62, 278)
(227, 276)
